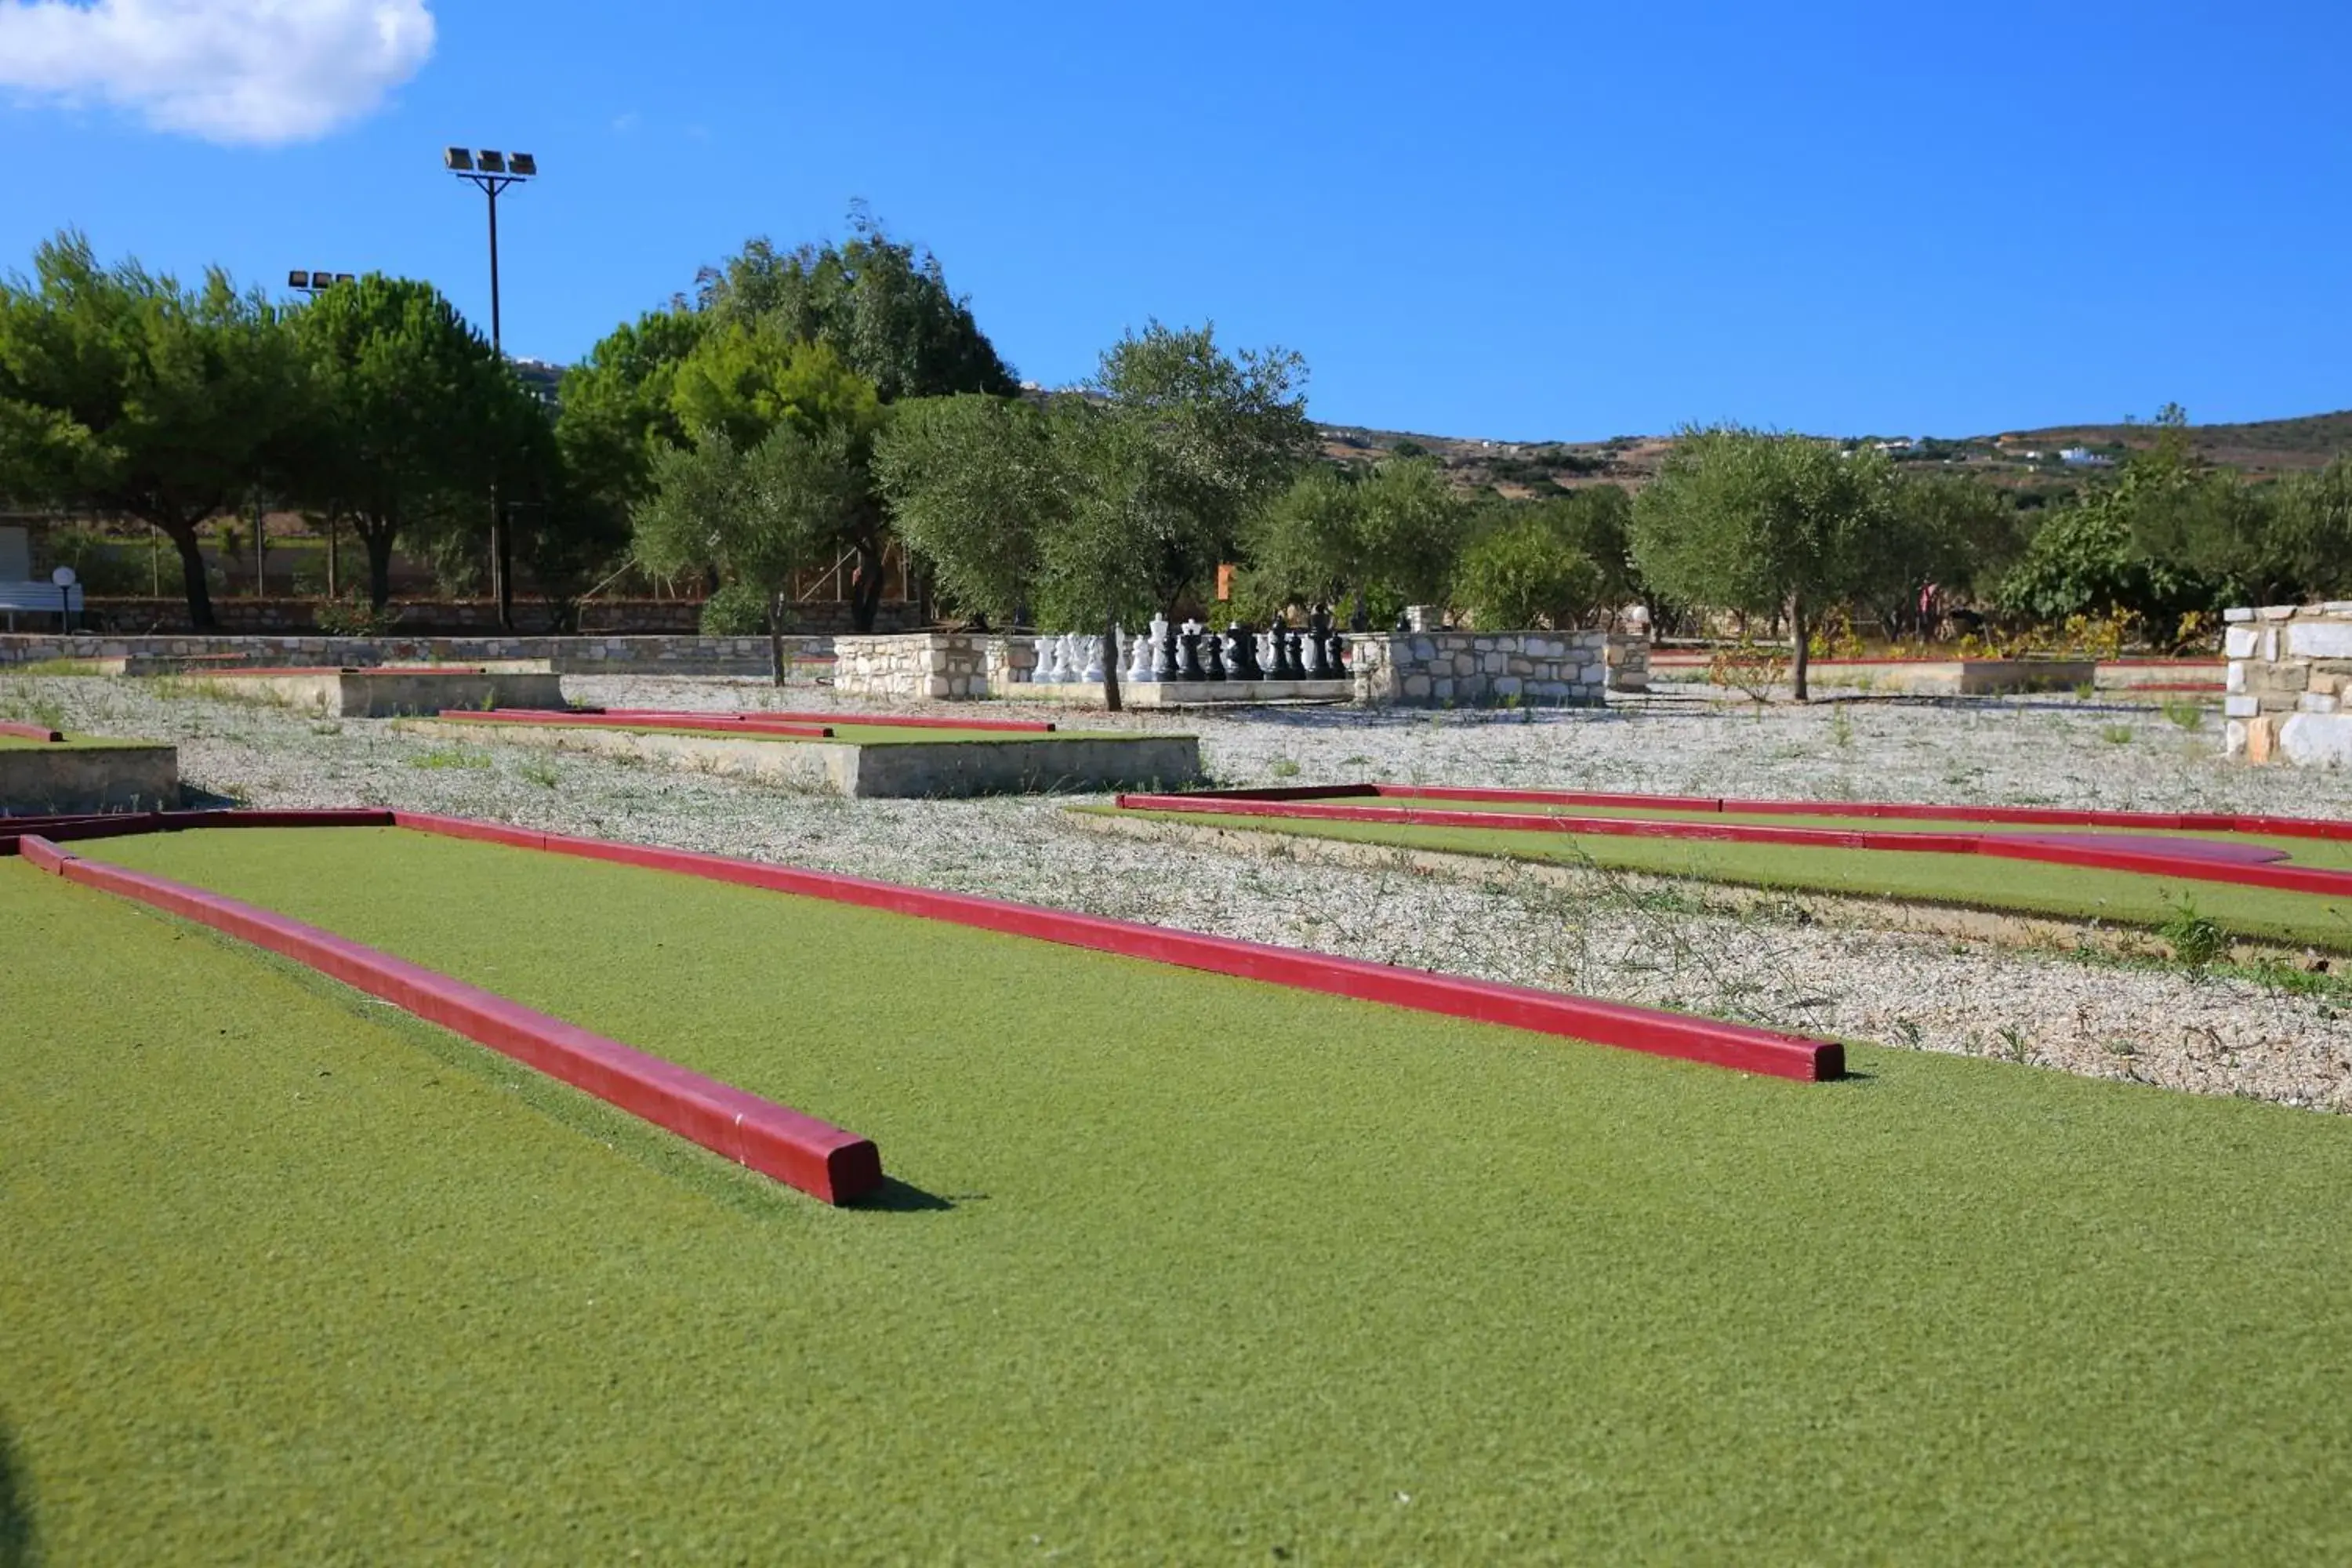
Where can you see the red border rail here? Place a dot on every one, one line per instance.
(2284, 878)
(41, 733)
(820, 1159)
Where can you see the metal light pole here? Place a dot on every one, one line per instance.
(492, 172)
(314, 284)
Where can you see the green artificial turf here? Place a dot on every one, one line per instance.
(75, 743)
(845, 733)
(2325, 854)
(1185, 1269)
(2025, 886)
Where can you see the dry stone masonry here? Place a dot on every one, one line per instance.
(1482, 670)
(920, 667)
(2290, 683)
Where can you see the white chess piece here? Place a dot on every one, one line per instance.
(1139, 663)
(1093, 673)
(1047, 665)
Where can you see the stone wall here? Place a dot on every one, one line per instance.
(461, 617)
(2290, 683)
(1628, 661)
(1480, 669)
(565, 656)
(918, 667)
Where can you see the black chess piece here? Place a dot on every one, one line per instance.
(1188, 661)
(1337, 661)
(1312, 668)
(1291, 667)
(1163, 657)
(1213, 660)
(1241, 653)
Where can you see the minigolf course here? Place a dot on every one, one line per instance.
(1162, 1257)
(2285, 879)
(849, 752)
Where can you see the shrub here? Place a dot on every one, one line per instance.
(1748, 668)
(1522, 574)
(354, 619)
(736, 610)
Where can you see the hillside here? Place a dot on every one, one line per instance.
(2020, 459)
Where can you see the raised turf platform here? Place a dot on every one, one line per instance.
(387, 692)
(858, 756)
(45, 770)
(2275, 879)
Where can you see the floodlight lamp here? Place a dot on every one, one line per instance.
(490, 162)
(298, 278)
(344, 278)
(522, 163)
(457, 159)
(321, 280)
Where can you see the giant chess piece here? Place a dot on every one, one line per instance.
(1072, 656)
(1338, 660)
(1312, 670)
(1163, 650)
(1139, 666)
(1048, 670)
(1241, 653)
(1093, 673)
(1291, 641)
(1212, 656)
(1188, 667)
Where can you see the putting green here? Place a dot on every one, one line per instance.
(2023, 887)
(73, 743)
(1205, 1270)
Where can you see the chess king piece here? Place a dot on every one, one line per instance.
(1047, 671)
(1188, 667)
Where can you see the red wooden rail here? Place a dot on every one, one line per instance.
(2285, 878)
(798, 1150)
(30, 732)
(889, 720)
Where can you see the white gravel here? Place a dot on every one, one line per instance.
(1775, 961)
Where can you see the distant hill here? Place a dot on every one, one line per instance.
(2019, 459)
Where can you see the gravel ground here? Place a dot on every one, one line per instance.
(1775, 961)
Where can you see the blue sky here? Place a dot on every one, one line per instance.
(1519, 221)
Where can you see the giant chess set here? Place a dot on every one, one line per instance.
(1195, 663)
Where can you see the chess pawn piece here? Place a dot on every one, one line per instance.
(1163, 651)
(1295, 669)
(1241, 653)
(1338, 660)
(1139, 666)
(1212, 656)
(1093, 673)
(1188, 665)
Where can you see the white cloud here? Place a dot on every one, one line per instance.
(259, 71)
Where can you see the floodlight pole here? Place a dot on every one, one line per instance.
(502, 544)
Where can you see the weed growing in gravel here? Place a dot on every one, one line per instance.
(2186, 714)
(543, 775)
(1840, 727)
(450, 757)
(1282, 768)
(2197, 941)
(327, 727)
(2018, 1047)
(2116, 735)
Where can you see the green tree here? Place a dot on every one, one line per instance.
(408, 417)
(883, 305)
(1378, 542)
(1953, 531)
(1745, 520)
(617, 405)
(125, 392)
(753, 515)
(1524, 573)
(974, 483)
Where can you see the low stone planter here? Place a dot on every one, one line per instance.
(60, 778)
(382, 694)
(1017, 764)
